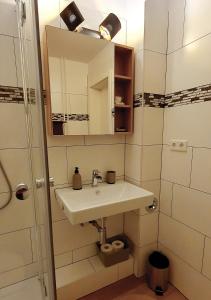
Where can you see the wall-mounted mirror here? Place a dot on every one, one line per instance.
(79, 83)
(82, 84)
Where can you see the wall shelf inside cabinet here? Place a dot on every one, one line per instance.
(123, 78)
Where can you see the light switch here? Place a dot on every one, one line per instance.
(179, 145)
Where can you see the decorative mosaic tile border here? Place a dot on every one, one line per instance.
(137, 102)
(69, 117)
(154, 100)
(10, 94)
(202, 93)
(189, 96)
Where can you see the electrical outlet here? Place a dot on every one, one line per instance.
(179, 145)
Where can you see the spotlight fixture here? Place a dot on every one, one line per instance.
(71, 16)
(110, 27)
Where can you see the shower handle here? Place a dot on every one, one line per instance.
(22, 191)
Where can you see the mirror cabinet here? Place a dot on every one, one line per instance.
(89, 84)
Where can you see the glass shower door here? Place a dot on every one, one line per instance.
(28, 27)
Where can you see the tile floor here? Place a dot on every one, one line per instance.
(132, 288)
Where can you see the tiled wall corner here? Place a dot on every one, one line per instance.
(186, 279)
(185, 188)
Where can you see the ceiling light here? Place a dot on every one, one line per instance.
(71, 16)
(110, 27)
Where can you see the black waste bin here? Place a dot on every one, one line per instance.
(157, 272)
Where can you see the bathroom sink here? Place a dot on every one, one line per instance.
(105, 200)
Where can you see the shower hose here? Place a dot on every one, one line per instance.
(9, 186)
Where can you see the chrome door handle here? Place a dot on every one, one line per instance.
(22, 191)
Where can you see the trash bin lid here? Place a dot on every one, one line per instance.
(158, 260)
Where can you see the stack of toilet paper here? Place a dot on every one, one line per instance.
(115, 246)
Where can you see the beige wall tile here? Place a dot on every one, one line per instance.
(148, 229)
(68, 237)
(190, 282)
(15, 250)
(7, 62)
(30, 288)
(114, 225)
(8, 23)
(19, 274)
(183, 241)
(57, 212)
(192, 208)
(74, 272)
(138, 72)
(201, 170)
(196, 14)
(137, 137)
(191, 62)
(151, 162)
(104, 139)
(166, 195)
(93, 282)
(154, 72)
(142, 230)
(133, 155)
(84, 252)
(132, 226)
(152, 186)
(141, 255)
(153, 126)
(63, 259)
(188, 122)
(14, 134)
(156, 25)
(207, 258)
(55, 141)
(176, 166)
(17, 215)
(58, 164)
(176, 22)
(16, 163)
(126, 268)
(101, 157)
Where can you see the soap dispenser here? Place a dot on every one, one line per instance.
(77, 184)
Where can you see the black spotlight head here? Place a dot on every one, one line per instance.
(72, 16)
(110, 26)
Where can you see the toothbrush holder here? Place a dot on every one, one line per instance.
(111, 177)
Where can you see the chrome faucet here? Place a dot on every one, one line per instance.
(96, 178)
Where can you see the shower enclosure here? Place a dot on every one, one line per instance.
(37, 189)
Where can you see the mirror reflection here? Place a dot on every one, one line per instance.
(79, 83)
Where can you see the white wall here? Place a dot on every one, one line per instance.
(184, 230)
(188, 45)
(144, 147)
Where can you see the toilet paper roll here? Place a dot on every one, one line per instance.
(106, 248)
(117, 245)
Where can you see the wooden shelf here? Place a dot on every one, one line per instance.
(122, 77)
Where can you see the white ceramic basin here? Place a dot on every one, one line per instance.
(105, 200)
